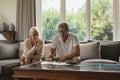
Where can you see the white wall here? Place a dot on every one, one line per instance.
(8, 11)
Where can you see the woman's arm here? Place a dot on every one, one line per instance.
(28, 50)
(39, 49)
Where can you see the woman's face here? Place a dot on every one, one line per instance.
(34, 35)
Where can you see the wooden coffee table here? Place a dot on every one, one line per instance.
(84, 71)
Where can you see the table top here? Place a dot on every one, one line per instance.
(94, 67)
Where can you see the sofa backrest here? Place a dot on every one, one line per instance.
(46, 49)
(9, 49)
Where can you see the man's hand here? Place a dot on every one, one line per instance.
(48, 57)
(61, 59)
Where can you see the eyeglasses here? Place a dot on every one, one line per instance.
(62, 31)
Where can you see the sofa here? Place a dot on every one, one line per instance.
(9, 54)
(10, 51)
(100, 51)
(96, 51)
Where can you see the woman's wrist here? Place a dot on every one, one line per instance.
(34, 46)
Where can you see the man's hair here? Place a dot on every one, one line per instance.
(63, 25)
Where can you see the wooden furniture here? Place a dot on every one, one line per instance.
(9, 35)
(86, 71)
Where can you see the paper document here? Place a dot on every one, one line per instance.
(54, 63)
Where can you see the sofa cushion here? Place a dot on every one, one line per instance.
(99, 61)
(110, 50)
(46, 49)
(90, 50)
(9, 51)
(21, 49)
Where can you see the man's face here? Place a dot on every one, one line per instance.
(63, 32)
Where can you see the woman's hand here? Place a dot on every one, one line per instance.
(22, 58)
(36, 42)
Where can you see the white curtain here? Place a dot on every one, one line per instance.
(25, 18)
(119, 20)
(116, 16)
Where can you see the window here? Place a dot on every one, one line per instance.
(102, 19)
(76, 17)
(89, 19)
(50, 18)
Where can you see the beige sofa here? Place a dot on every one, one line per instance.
(95, 51)
(87, 50)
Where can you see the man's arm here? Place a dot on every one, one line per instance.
(75, 52)
(50, 54)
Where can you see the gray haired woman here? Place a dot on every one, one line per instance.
(33, 47)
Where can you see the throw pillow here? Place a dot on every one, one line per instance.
(110, 50)
(8, 51)
(46, 49)
(21, 49)
(90, 50)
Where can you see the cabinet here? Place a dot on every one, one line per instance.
(9, 35)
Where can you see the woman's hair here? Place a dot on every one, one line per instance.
(33, 29)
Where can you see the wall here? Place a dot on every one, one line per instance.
(8, 11)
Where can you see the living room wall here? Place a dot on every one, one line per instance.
(8, 11)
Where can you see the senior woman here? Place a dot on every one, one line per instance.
(33, 47)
